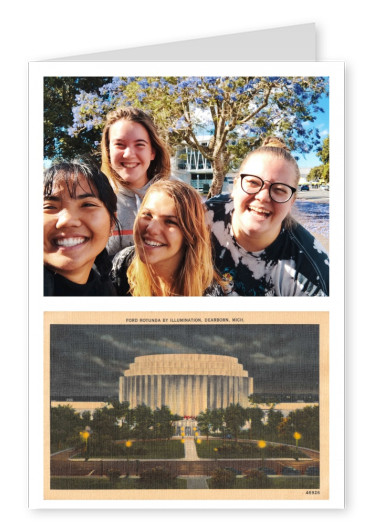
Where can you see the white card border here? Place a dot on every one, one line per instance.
(333, 304)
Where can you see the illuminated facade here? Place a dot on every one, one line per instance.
(186, 383)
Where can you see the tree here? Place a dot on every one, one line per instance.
(162, 423)
(105, 424)
(255, 414)
(321, 172)
(123, 416)
(274, 419)
(217, 417)
(59, 98)
(235, 417)
(204, 422)
(65, 426)
(143, 421)
(306, 421)
(236, 112)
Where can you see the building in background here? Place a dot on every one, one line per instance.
(186, 383)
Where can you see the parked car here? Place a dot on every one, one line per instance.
(290, 471)
(234, 470)
(312, 471)
(304, 188)
(267, 470)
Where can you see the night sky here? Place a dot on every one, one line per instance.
(87, 360)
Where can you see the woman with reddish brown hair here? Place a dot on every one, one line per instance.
(134, 156)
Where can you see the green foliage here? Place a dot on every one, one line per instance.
(204, 422)
(157, 478)
(256, 479)
(307, 422)
(236, 111)
(59, 98)
(65, 427)
(235, 417)
(315, 174)
(103, 483)
(113, 474)
(162, 423)
(321, 172)
(323, 153)
(143, 419)
(222, 479)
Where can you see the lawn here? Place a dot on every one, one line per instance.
(150, 449)
(280, 482)
(241, 450)
(95, 483)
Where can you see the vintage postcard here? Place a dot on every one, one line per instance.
(186, 406)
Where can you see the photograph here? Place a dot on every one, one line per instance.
(186, 406)
(186, 185)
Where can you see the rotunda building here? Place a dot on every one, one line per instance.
(186, 383)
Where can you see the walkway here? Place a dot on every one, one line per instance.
(197, 482)
(190, 449)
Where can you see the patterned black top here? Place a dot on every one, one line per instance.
(295, 264)
(122, 261)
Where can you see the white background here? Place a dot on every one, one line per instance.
(43, 29)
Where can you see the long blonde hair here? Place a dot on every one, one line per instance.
(159, 168)
(196, 272)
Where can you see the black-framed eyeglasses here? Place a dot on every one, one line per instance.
(278, 192)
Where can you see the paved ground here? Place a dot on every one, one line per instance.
(311, 209)
(197, 482)
(317, 196)
(190, 449)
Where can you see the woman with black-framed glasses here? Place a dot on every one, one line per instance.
(259, 248)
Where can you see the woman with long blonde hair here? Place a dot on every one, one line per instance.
(172, 253)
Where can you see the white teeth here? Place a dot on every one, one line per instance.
(70, 242)
(153, 244)
(260, 211)
(130, 165)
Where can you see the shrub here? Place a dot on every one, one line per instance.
(113, 474)
(256, 479)
(157, 477)
(223, 479)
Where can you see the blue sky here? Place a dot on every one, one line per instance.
(322, 123)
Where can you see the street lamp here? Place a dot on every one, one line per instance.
(297, 436)
(128, 444)
(262, 444)
(85, 435)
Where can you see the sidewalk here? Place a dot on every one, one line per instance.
(190, 449)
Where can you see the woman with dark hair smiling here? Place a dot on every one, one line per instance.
(79, 214)
(259, 248)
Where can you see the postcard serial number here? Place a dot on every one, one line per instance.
(312, 492)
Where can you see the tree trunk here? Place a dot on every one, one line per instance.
(220, 167)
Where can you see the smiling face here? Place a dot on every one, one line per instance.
(257, 220)
(158, 236)
(76, 230)
(131, 152)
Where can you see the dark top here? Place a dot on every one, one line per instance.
(122, 261)
(295, 264)
(57, 285)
